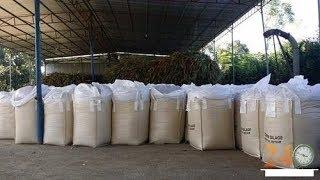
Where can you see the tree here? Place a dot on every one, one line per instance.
(279, 14)
(247, 66)
(22, 69)
(310, 60)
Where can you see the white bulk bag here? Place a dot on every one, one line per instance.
(237, 91)
(92, 115)
(25, 113)
(130, 115)
(188, 88)
(211, 118)
(252, 135)
(280, 104)
(7, 124)
(58, 116)
(306, 120)
(167, 114)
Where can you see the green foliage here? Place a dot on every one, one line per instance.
(22, 69)
(249, 68)
(310, 61)
(279, 14)
(179, 68)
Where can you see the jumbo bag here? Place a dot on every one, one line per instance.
(92, 115)
(252, 132)
(237, 91)
(167, 114)
(130, 114)
(211, 118)
(24, 102)
(58, 111)
(292, 119)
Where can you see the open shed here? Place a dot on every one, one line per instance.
(59, 28)
(149, 26)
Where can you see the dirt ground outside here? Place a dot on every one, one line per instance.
(178, 161)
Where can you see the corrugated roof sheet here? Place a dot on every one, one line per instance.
(143, 26)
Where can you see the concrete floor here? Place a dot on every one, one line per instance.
(124, 162)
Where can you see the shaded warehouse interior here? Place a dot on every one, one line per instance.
(59, 28)
(151, 26)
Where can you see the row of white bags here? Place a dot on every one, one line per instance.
(274, 120)
(82, 114)
(270, 121)
(119, 112)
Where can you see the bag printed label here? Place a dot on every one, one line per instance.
(191, 126)
(246, 131)
(251, 105)
(271, 109)
(273, 139)
(243, 107)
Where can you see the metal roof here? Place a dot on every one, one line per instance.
(141, 26)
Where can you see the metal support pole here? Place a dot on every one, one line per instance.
(265, 40)
(214, 50)
(10, 73)
(91, 43)
(40, 111)
(232, 58)
(30, 72)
